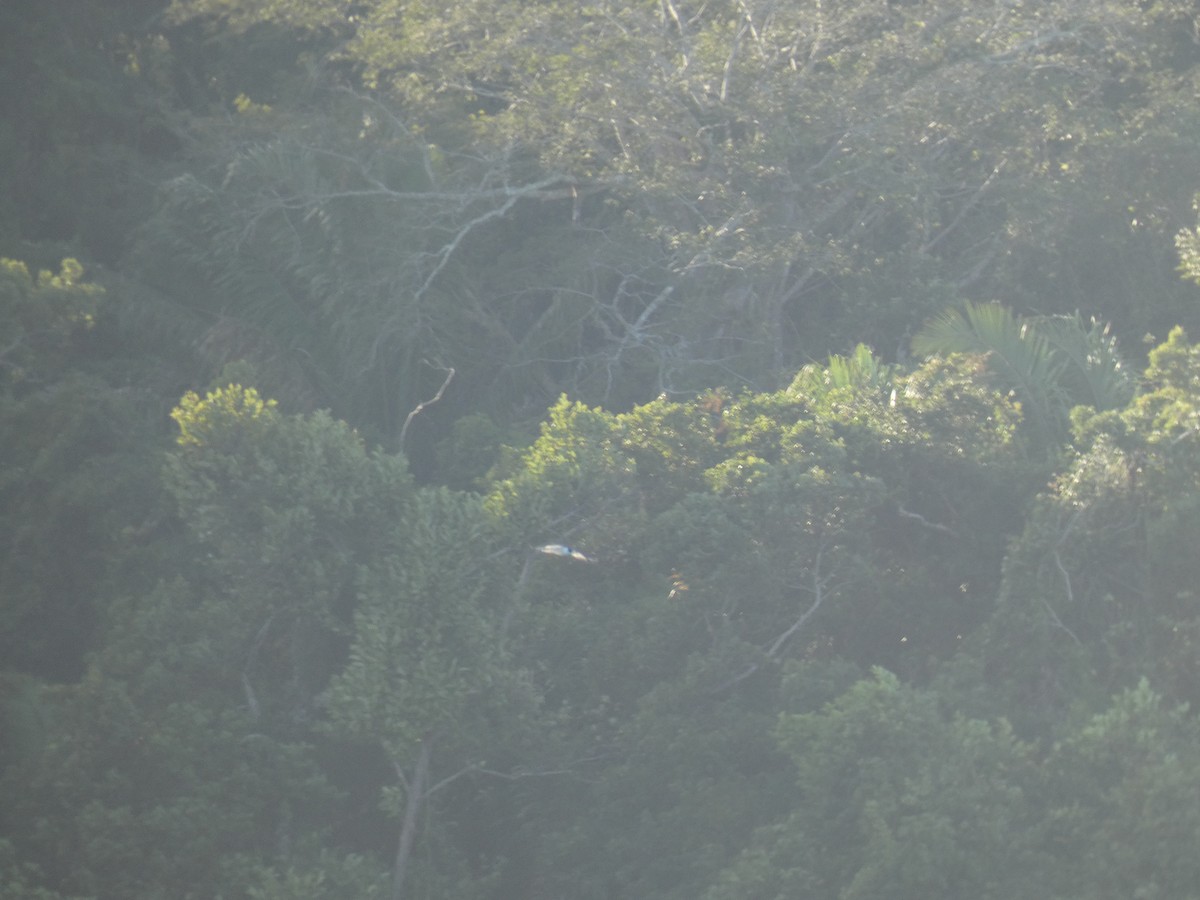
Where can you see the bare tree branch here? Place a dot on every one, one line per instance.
(251, 658)
(514, 775)
(420, 407)
(1070, 596)
(964, 209)
(9, 349)
(408, 828)
(1066, 578)
(513, 195)
(923, 522)
(818, 591)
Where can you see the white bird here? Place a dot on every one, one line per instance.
(564, 551)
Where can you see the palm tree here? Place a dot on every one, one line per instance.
(1051, 363)
(860, 369)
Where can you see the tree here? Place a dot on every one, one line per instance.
(425, 662)
(801, 178)
(1120, 793)
(195, 722)
(1052, 363)
(857, 517)
(21, 879)
(79, 451)
(896, 800)
(87, 104)
(1097, 588)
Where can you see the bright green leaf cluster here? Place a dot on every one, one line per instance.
(203, 421)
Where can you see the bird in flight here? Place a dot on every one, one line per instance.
(566, 552)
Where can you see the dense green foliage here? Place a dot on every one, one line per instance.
(325, 327)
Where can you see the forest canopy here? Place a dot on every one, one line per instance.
(647, 450)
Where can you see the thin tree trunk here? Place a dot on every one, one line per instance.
(408, 829)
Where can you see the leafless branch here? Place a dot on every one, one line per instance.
(964, 209)
(420, 407)
(514, 775)
(1066, 577)
(400, 775)
(251, 658)
(754, 32)
(728, 71)
(9, 349)
(1070, 597)
(818, 590)
(1047, 40)
(251, 699)
(923, 522)
(513, 196)
(450, 779)
(1183, 435)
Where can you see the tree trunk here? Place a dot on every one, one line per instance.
(408, 829)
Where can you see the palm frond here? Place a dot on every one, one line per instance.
(1094, 372)
(860, 369)
(1018, 352)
